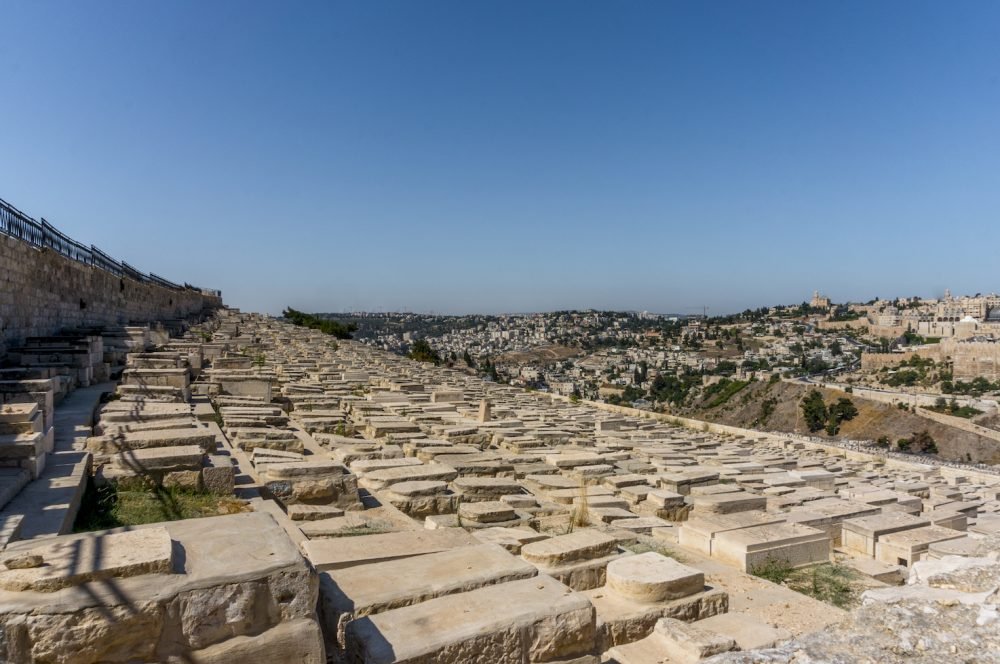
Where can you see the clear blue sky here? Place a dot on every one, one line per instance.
(514, 156)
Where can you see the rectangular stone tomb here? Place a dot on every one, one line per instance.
(135, 440)
(62, 564)
(338, 553)
(790, 543)
(533, 620)
(700, 533)
(862, 534)
(906, 547)
(727, 503)
(368, 589)
(381, 479)
(578, 559)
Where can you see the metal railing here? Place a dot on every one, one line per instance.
(44, 235)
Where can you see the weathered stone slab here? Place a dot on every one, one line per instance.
(652, 577)
(159, 459)
(486, 512)
(905, 547)
(512, 539)
(686, 642)
(533, 620)
(727, 503)
(381, 479)
(699, 533)
(862, 534)
(368, 589)
(137, 440)
(791, 543)
(339, 553)
(581, 545)
(302, 512)
(95, 558)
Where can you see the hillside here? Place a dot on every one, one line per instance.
(747, 407)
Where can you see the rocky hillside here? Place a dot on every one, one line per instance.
(775, 407)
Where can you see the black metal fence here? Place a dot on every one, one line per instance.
(44, 235)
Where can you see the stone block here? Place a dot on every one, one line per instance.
(533, 620)
(348, 552)
(794, 544)
(652, 577)
(363, 590)
(219, 475)
(687, 643)
(93, 558)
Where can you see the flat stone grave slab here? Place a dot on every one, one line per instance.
(699, 533)
(906, 547)
(727, 503)
(380, 479)
(748, 632)
(160, 459)
(369, 589)
(581, 545)
(511, 539)
(338, 553)
(643, 525)
(862, 534)
(682, 481)
(63, 564)
(578, 559)
(301, 512)
(363, 466)
(652, 577)
(532, 620)
(133, 440)
(794, 544)
(829, 514)
(488, 488)
(486, 512)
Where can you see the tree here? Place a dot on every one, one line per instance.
(324, 325)
(844, 410)
(468, 359)
(421, 351)
(814, 411)
(923, 442)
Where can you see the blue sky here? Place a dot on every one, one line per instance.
(514, 156)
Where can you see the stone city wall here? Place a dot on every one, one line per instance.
(42, 292)
(875, 361)
(860, 324)
(972, 359)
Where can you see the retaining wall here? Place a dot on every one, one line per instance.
(42, 292)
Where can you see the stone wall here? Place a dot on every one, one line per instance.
(959, 423)
(911, 398)
(42, 292)
(974, 358)
(860, 324)
(971, 358)
(874, 361)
